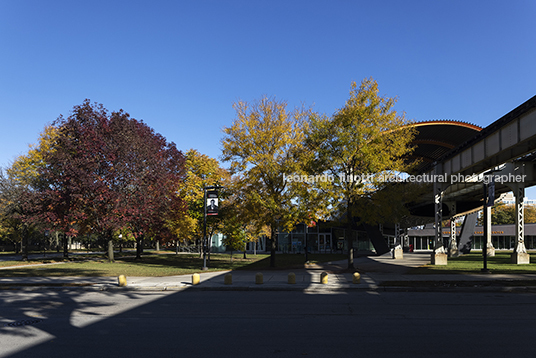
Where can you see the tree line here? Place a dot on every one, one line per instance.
(108, 174)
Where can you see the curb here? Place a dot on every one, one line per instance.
(308, 289)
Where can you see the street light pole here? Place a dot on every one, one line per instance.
(205, 243)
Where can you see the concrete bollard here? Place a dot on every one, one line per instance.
(357, 277)
(196, 279)
(323, 278)
(291, 278)
(258, 278)
(122, 280)
(228, 279)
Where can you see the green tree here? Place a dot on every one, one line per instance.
(25, 168)
(18, 183)
(530, 214)
(239, 220)
(264, 145)
(235, 236)
(363, 140)
(201, 171)
(505, 214)
(502, 214)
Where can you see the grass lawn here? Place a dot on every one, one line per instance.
(473, 263)
(154, 264)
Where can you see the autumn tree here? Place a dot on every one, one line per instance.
(504, 214)
(239, 219)
(12, 218)
(18, 184)
(200, 171)
(364, 139)
(150, 169)
(264, 146)
(108, 171)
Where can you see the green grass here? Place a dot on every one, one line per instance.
(155, 265)
(150, 265)
(48, 260)
(473, 263)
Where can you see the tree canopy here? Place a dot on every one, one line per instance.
(264, 144)
(362, 141)
(107, 171)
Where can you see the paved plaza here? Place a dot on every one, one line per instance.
(376, 273)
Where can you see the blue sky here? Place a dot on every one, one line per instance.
(180, 65)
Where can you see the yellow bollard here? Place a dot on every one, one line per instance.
(357, 277)
(122, 280)
(258, 278)
(291, 277)
(196, 279)
(324, 278)
(228, 279)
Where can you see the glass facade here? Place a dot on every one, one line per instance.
(330, 240)
(499, 242)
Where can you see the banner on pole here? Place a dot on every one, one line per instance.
(212, 202)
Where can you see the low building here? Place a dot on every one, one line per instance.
(502, 237)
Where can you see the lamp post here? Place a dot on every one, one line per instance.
(213, 211)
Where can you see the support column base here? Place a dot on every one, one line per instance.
(520, 258)
(398, 253)
(490, 251)
(439, 258)
(454, 252)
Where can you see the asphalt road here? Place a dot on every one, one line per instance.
(80, 323)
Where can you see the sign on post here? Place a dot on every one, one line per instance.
(212, 202)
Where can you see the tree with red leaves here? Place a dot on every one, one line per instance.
(106, 172)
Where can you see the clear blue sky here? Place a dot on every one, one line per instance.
(180, 65)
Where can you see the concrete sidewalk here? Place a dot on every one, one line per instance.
(377, 273)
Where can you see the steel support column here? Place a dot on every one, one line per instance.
(439, 256)
(520, 255)
(490, 250)
(453, 243)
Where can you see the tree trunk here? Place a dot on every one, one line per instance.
(16, 247)
(110, 249)
(65, 246)
(157, 245)
(245, 247)
(176, 247)
(24, 245)
(57, 242)
(139, 244)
